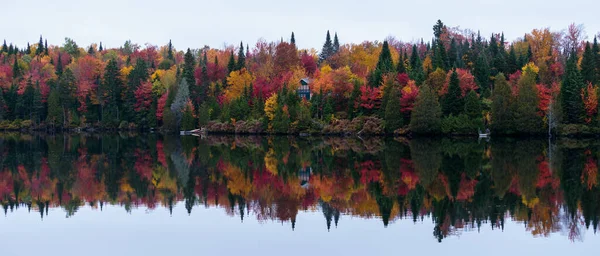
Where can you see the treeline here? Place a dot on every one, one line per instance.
(461, 184)
(457, 83)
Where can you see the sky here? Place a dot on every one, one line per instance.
(218, 23)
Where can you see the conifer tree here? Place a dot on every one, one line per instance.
(452, 102)
(588, 66)
(481, 71)
(426, 115)
(241, 62)
(416, 68)
(46, 48)
(293, 39)
(385, 65)
(231, 63)
(511, 61)
(100, 47)
(55, 113)
(336, 43)
(16, 69)
(28, 49)
(110, 95)
(570, 91)
(327, 50)
(4, 47)
(502, 106)
(393, 115)
(170, 51)
(453, 54)
(59, 66)
(472, 105)
(400, 66)
(40, 47)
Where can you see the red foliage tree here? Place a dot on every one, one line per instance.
(308, 63)
(409, 96)
(143, 97)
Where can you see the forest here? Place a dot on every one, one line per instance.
(456, 183)
(458, 82)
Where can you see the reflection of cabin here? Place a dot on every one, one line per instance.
(304, 89)
(304, 175)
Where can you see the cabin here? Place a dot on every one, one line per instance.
(304, 89)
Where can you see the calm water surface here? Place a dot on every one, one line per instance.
(144, 194)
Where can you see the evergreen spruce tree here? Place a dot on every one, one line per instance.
(4, 47)
(28, 49)
(16, 69)
(596, 53)
(502, 109)
(55, 113)
(231, 63)
(426, 114)
(393, 115)
(100, 47)
(91, 50)
(241, 62)
(327, 50)
(400, 66)
(293, 39)
(440, 59)
(588, 66)
(110, 95)
(416, 68)
(385, 65)
(453, 54)
(170, 51)
(40, 47)
(570, 91)
(37, 107)
(511, 61)
(59, 67)
(46, 48)
(336, 44)
(452, 102)
(472, 106)
(481, 71)
(188, 68)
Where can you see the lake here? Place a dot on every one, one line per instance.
(147, 194)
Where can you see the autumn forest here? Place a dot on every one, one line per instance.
(458, 82)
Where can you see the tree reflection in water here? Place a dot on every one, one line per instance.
(461, 184)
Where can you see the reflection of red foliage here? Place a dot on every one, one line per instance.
(369, 172)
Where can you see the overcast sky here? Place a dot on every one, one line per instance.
(215, 23)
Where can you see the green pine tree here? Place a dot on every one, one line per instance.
(293, 39)
(16, 69)
(110, 95)
(336, 43)
(481, 71)
(327, 50)
(588, 66)
(502, 109)
(393, 116)
(40, 47)
(241, 62)
(570, 91)
(385, 66)
(426, 115)
(472, 105)
(231, 63)
(170, 51)
(452, 102)
(55, 112)
(416, 67)
(59, 66)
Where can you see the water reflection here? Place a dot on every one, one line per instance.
(460, 184)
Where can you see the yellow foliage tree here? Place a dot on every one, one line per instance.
(270, 105)
(237, 81)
